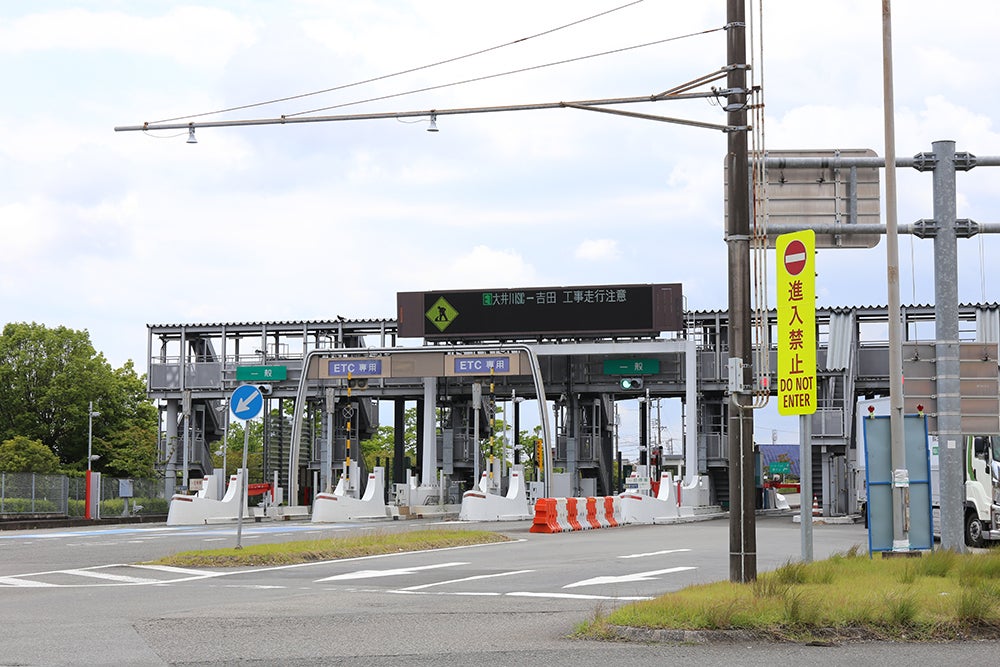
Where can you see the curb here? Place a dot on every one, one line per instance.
(668, 636)
(77, 522)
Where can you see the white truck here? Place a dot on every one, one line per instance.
(982, 489)
(981, 475)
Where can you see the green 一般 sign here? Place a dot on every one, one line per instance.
(631, 366)
(261, 373)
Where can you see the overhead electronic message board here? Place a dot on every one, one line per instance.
(532, 311)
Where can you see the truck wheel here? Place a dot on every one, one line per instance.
(974, 530)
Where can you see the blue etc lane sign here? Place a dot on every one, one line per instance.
(246, 402)
(354, 367)
(481, 365)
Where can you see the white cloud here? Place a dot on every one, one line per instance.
(201, 36)
(109, 231)
(482, 266)
(597, 250)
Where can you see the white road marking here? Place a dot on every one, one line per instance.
(172, 569)
(371, 574)
(455, 581)
(111, 577)
(27, 583)
(656, 553)
(628, 578)
(577, 596)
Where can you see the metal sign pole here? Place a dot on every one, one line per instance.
(806, 485)
(246, 402)
(243, 485)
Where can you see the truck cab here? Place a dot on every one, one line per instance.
(982, 490)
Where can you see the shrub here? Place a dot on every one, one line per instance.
(29, 506)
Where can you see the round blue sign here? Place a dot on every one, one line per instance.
(246, 402)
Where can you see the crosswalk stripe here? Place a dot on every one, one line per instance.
(170, 568)
(14, 581)
(111, 577)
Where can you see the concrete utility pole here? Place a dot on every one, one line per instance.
(742, 521)
(900, 538)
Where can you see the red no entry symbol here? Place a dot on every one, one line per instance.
(795, 257)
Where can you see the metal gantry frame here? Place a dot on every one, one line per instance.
(304, 382)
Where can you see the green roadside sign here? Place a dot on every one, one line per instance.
(261, 373)
(780, 468)
(631, 366)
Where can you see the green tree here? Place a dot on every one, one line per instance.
(128, 453)
(381, 445)
(20, 454)
(48, 379)
(383, 441)
(254, 430)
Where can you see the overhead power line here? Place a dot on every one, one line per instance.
(400, 73)
(500, 74)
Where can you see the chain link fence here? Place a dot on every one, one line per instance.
(52, 496)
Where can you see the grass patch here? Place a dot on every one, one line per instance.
(290, 553)
(940, 596)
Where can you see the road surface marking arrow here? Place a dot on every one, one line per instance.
(371, 574)
(638, 576)
(655, 553)
(456, 581)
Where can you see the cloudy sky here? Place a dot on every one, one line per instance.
(109, 231)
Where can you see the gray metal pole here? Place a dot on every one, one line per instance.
(225, 453)
(898, 452)
(946, 349)
(742, 521)
(187, 448)
(690, 411)
(243, 485)
(170, 448)
(428, 465)
(806, 486)
(477, 402)
(326, 457)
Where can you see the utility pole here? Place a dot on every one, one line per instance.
(742, 521)
(901, 541)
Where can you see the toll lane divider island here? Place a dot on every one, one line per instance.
(643, 502)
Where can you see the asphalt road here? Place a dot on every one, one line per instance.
(80, 596)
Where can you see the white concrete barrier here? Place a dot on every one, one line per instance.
(640, 508)
(338, 506)
(780, 502)
(480, 505)
(695, 493)
(194, 510)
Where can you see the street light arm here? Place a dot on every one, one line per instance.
(285, 120)
(694, 83)
(643, 116)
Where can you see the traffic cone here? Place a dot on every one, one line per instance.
(817, 510)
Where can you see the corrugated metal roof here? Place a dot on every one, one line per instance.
(279, 323)
(724, 312)
(865, 308)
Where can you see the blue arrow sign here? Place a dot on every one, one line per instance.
(246, 402)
